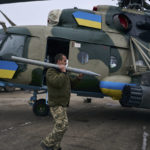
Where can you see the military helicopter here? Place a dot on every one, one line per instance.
(113, 41)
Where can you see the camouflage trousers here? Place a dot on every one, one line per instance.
(54, 138)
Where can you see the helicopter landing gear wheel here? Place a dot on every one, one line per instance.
(40, 108)
(9, 89)
(124, 105)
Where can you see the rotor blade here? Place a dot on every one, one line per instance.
(48, 65)
(16, 1)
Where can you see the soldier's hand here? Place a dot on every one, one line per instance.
(62, 68)
(80, 76)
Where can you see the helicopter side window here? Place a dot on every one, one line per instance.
(113, 62)
(83, 57)
(13, 45)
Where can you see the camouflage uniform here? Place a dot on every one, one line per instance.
(59, 87)
(61, 124)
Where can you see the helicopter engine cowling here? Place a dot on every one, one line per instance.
(136, 96)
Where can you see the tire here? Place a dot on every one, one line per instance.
(40, 108)
(1, 88)
(124, 105)
(9, 89)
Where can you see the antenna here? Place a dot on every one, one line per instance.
(12, 23)
(3, 25)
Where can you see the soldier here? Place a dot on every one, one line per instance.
(59, 86)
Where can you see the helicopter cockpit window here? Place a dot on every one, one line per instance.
(113, 62)
(13, 45)
(83, 57)
(2, 38)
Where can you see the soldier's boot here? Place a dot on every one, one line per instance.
(57, 148)
(44, 147)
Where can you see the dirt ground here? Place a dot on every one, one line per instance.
(100, 125)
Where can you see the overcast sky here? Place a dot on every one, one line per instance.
(35, 13)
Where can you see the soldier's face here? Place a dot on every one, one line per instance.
(63, 61)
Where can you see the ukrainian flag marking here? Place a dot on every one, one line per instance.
(88, 19)
(7, 69)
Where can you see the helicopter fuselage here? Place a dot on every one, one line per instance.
(116, 46)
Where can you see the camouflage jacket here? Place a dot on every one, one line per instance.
(59, 87)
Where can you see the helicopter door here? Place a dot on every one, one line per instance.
(91, 57)
(55, 46)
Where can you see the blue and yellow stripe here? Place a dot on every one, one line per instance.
(7, 69)
(88, 19)
(113, 89)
